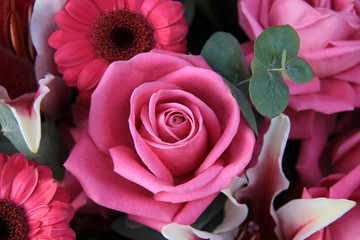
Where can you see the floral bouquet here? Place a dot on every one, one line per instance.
(180, 120)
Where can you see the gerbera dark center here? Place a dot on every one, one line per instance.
(13, 222)
(121, 34)
(122, 37)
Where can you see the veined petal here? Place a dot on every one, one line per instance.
(166, 14)
(27, 114)
(300, 218)
(76, 9)
(23, 185)
(74, 53)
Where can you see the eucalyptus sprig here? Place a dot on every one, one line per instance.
(276, 50)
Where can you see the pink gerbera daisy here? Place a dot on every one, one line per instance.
(31, 204)
(95, 33)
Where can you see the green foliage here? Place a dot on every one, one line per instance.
(52, 152)
(276, 50)
(223, 53)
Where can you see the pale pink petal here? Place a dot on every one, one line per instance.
(74, 53)
(57, 98)
(23, 185)
(175, 231)
(26, 111)
(91, 74)
(235, 213)
(41, 26)
(166, 14)
(301, 218)
(76, 9)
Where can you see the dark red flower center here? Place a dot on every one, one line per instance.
(120, 34)
(13, 221)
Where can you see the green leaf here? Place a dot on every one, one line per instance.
(269, 93)
(271, 43)
(135, 231)
(223, 53)
(245, 106)
(298, 70)
(256, 65)
(52, 152)
(10, 128)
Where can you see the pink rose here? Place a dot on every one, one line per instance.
(334, 148)
(329, 40)
(164, 137)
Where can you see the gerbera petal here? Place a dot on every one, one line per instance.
(37, 212)
(91, 74)
(71, 74)
(70, 24)
(106, 5)
(76, 9)
(61, 37)
(134, 5)
(12, 167)
(34, 227)
(177, 47)
(301, 218)
(120, 4)
(171, 34)
(166, 14)
(148, 6)
(42, 194)
(74, 53)
(59, 211)
(23, 185)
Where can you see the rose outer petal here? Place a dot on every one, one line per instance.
(94, 171)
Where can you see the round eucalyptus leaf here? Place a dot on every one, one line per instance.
(270, 44)
(298, 70)
(269, 93)
(223, 53)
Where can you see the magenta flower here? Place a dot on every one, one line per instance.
(108, 31)
(31, 204)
